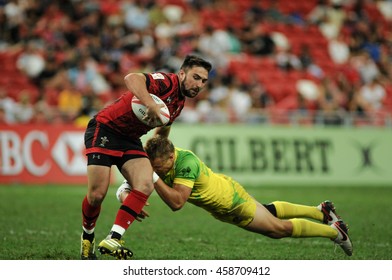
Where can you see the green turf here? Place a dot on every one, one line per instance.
(42, 223)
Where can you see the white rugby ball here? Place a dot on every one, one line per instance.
(139, 110)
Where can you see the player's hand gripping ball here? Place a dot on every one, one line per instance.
(140, 111)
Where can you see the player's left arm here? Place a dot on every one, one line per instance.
(175, 197)
(163, 131)
(136, 83)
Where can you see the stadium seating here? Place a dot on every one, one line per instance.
(231, 14)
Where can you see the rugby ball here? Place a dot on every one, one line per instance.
(139, 110)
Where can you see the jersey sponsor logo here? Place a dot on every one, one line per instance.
(157, 76)
(185, 171)
(104, 140)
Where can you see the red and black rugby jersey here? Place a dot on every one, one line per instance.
(120, 117)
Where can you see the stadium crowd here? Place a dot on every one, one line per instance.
(62, 60)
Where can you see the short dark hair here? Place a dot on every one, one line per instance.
(158, 146)
(193, 60)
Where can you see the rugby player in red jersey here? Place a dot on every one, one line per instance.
(113, 136)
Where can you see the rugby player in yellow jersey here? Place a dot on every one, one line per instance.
(180, 176)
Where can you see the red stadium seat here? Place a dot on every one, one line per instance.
(388, 98)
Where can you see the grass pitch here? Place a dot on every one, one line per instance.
(44, 223)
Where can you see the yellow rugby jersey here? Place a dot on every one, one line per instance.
(214, 192)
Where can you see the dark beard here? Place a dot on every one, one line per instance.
(186, 92)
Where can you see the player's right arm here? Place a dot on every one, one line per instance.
(136, 83)
(175, 197)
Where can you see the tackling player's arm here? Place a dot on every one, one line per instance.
(163, 131)
(175, 197)
(136, 83)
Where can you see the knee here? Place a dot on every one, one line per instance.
(145, 186)
(280, 230)
(96, 197)
(285, 229)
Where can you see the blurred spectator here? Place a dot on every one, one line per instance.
(45, 113)
(370, 96)
(365, 66)
(31, 61)
(3, 118)
(280, 40)
(258, 41)
(219, 89)
(233, 41)
(315, 71)
(385, 8)
(212, 112)
(359, 35)
(24, 109)
(173, 13)
(69, 101)
(14, 15)
(305, 56)
(85, 74)
(156, 14)
(358, 9)
(7, 105)
(136, 15)
(205, 43)
(40, 116)
(328, 28)
(372, 45)
(338, 50)
(329, 15)
(218, 44)
(297, 17)
(91, 104)
(273, 14)
(287, 60)
(48, 73)
(308, 90)
(3, 29)
(331, 102)
(318, 13)
(239, 101)
(385, 63)
(260, 97)
(255, 12)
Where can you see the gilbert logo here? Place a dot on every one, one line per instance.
(366, 152)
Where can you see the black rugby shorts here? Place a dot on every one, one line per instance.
(106, 147)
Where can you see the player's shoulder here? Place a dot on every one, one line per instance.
(163, 84)
(161, 76)
(184, 151)
(183, 154)
(187, 164)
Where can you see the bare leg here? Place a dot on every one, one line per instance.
(267, 224)
(138, 173)
(98, 183)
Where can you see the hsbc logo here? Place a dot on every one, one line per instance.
(68, 153)
(39, 152)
